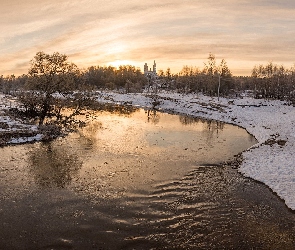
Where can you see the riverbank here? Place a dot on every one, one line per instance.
(14, 130)
(271, 122)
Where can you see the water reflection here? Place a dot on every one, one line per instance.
(153, 116)
(211, 125)
(189, 120)
(154, 144)
(114, 108)
(53, 166)
(88, 133)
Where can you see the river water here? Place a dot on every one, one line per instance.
(138, 179)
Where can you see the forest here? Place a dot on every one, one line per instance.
(270, 81)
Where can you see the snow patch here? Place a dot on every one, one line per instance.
(19, 140)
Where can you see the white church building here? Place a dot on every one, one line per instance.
(151, 74)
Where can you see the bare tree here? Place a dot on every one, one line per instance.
(49, 76)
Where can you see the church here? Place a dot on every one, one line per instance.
(151, 74)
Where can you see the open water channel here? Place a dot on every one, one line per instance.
(138, 179)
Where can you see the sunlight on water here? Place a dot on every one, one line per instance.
(136, 180)
(137, 151)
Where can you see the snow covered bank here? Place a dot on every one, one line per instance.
(271, 160)
(11, 129)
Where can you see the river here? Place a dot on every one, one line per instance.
(138, 179)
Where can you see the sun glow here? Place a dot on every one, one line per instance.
(117, 63)
(116, 51)
(115, 48)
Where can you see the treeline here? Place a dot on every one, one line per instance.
(125, 76)
(211, 80)
(10, 84)
(270, 81)
(95, 77)
(266, 81)
(274, 81)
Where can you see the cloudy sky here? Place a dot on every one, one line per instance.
(172, 32)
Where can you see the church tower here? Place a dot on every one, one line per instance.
(145, 68)
(155, 67)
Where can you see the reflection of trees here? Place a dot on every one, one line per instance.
(53, 166)
(187, 120)
(153, 116)
(115, 108)
(91, 129)
(213, 127)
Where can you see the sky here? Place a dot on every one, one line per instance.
(174, 33)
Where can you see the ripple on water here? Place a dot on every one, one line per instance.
(211, 208)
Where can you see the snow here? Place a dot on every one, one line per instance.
(270, 163)
(13, 124)
(37, 137)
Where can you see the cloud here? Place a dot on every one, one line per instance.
(170, 31)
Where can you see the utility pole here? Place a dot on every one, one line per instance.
(219, 76)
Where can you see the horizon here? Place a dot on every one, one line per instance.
(117, 64)
(175, 34)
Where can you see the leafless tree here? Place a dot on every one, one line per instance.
(51, 78)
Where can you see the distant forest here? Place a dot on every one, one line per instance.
(266, 81)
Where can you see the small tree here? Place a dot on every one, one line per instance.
(49, 75)
(221, 72)
(225, 78)
(210, 70)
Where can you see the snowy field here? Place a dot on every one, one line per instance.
(270, 161)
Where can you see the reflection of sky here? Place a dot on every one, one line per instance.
(119, 152)
(175, 33)
(122, 135)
